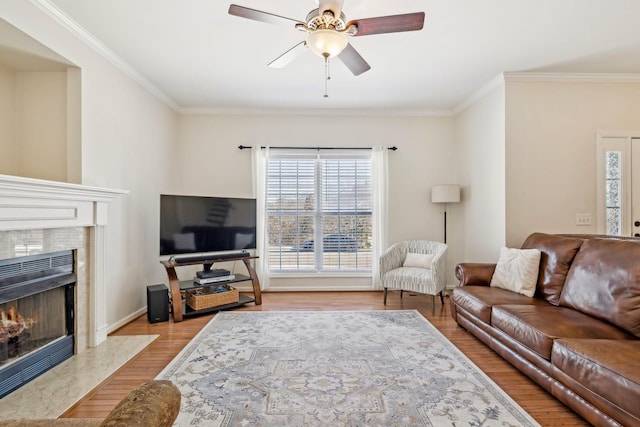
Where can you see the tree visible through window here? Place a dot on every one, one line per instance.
(319, 212)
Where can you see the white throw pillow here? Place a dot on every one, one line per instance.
(418, 260)
(517, 270)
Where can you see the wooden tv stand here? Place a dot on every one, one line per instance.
(180, 310)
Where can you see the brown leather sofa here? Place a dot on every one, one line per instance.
(577, 337)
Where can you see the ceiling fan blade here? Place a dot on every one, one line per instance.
(388, 24)
(354, 62)
(288, 57)
(334, 6)
(258, 15)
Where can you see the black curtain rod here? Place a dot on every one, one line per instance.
(242, 147)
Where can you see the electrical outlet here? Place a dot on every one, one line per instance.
(583, 219)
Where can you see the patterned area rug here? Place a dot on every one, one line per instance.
(333, 368)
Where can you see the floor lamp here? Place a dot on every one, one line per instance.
(445, 194)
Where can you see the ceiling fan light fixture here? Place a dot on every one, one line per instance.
(327, 43)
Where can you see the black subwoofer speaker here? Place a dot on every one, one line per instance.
(157, 303)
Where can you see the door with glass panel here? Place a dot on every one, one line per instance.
(618, 186)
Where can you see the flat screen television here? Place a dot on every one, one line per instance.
(197, 224)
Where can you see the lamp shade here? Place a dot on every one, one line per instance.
(445, 194)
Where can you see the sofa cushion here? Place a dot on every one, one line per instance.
(604, 282)
(608, 368)
(517, 270)
(478, 300)
(557, 253)
(537, 326)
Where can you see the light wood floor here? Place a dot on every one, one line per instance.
(174, 336)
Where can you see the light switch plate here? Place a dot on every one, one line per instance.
(583, 219)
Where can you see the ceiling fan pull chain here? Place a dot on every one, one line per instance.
(327, 76)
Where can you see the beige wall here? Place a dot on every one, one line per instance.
(550, 150)
(41, 125)
(480, 144)
(8, 164)
(74, 125)
(211, 163)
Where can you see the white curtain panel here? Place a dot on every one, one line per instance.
(380, 189)
(260, 163)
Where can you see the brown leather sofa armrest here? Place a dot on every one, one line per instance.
(52, 422)
(475, 273)
(154, 403)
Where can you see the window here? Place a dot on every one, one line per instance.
(613, 177)
(319, 212)
(616, 159)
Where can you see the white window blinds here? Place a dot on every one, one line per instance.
(319, 210)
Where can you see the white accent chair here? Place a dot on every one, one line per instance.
(430, 281)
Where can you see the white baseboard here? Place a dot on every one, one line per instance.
(127, 319)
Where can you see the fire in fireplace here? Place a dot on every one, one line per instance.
(12, 326)
(36, 316)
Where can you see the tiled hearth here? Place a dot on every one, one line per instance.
(60, 388)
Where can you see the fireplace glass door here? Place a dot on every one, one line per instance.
(32, 322)
(37, 295)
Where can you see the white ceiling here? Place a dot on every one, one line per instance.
(201, 57)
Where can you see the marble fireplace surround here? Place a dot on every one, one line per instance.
(39, 216)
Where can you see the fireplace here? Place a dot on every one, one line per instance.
(39, 217)
(37, 309)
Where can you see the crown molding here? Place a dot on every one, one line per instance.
(618, 133)
(544, 77)
(571, 77)
(315, 112)
(107, 53)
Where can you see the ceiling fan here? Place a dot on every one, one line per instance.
(327, 30)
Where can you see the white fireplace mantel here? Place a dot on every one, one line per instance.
(28, 204)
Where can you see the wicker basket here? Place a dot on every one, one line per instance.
(210, 296)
